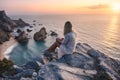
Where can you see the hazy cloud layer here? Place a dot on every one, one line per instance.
(100, 6)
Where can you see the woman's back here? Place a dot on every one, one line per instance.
(68, 44)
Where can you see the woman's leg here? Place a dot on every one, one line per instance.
(54, 46)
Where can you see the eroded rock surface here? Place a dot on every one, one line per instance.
(40, 35)
(85, 63)
(23, 37)
(3, 36)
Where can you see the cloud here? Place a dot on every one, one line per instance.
(100, 6)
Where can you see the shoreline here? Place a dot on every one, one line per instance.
(6, 47)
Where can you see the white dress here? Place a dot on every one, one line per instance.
(68, 45)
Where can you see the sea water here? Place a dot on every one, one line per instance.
(102, 32)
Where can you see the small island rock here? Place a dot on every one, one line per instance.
(22, 37)
(40, 35)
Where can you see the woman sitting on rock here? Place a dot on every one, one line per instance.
(66, 45)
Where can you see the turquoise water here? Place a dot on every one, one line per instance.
(99, 31)
(24, 52)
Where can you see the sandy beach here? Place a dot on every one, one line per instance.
(5, 46)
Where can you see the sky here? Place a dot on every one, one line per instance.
(57, 6)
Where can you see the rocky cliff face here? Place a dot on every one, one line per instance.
(5, 19)
(4, 36)
(84, 64)
(5, 22)
(7, 25)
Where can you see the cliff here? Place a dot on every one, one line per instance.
(84, 64)
(7, 25)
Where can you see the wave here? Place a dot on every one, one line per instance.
(8, 50)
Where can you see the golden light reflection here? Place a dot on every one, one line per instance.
(116, 7)
(110, 37)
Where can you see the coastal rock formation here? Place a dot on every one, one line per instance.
(85, 63)
(28, 30)
(19, 31)
(4, 36)
(40, 35)
(7, 25)
(21, 23)
(22, 37)
(53, 33)
(5, 19)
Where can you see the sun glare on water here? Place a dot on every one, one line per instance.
(116, 7)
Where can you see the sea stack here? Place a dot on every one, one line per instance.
(40, 35)
(22, 37)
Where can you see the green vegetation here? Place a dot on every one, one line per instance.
(6, 66)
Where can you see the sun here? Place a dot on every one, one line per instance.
(116, 7)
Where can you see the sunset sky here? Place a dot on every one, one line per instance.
(59, 6)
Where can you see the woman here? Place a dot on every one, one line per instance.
(66, 45)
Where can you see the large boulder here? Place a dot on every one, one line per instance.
(3, 36)
(40, 35)
(22, 37)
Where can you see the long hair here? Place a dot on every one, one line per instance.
(67, 27)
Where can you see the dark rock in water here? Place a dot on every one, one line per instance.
(19, 31)
(31, 26)
(3, 36)
(53, 33)
(40, 35)
(28, 30)
(34, 24)
(40, 24)
(34, 20)
(22, 37)
(21, 23)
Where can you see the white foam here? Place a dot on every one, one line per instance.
(6, 53)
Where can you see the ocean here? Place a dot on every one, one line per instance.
(101, 31)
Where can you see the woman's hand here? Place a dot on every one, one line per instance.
(59, 40)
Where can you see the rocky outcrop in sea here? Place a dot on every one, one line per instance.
(85, 63)
(53, 33)
(23, 37)
(40, 35)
